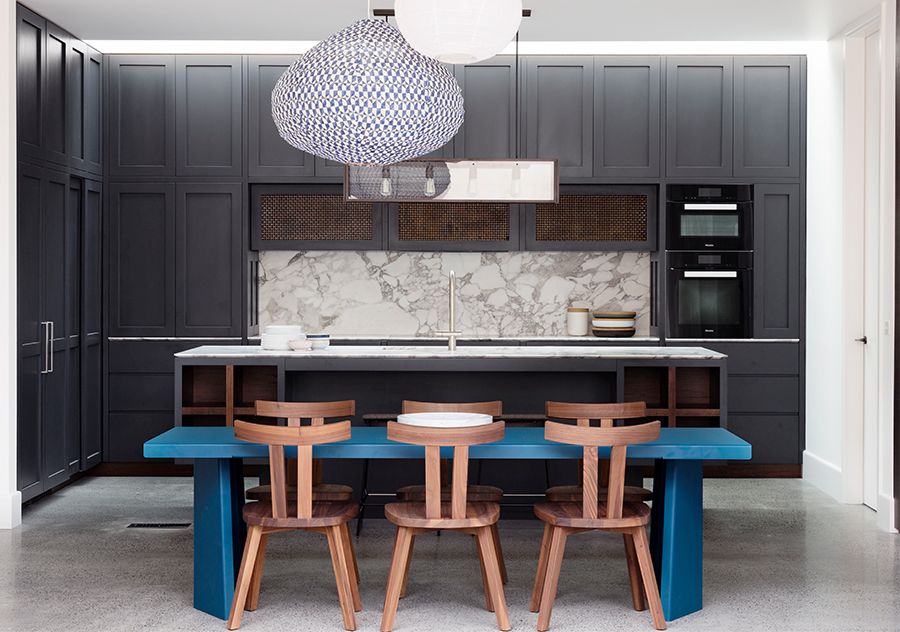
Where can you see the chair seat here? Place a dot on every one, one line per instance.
(324, 492)
(412, 515)
(570, 515)
(572, 494)
(324, 514)
(474, 494)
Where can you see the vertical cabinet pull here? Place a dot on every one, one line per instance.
(52, 344)
(45, 325)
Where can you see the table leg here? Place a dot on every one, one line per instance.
(219, 533)
(677, 535)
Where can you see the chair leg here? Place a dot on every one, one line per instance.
(495, 534)
(541, 573)
(412, 543)
(551, 581)
(341, 575)
(634, 573)
(488, 602)
(395, 578)
(492, 566)
(242, 588)
(352, 570)
(256, 580)
(649, 576)
(363, 497)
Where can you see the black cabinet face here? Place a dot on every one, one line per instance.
(489, 128)
(777, 256)
(54, 103)
(30, 29)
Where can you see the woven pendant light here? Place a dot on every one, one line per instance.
(365, 96)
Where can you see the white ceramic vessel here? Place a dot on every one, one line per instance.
(444, 420)
(609, 323)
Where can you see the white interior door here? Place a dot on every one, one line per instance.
(870, 265)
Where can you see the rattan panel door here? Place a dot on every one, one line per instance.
(457, 226)
(610, 218)
(313, 217)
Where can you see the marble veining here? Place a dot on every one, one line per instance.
(405, 293)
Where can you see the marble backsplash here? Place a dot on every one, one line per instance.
(405, 293)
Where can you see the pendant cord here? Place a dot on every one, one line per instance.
(518, 130)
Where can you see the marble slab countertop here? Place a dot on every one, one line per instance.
(411, 340)
(413, 352)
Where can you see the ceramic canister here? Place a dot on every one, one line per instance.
(578, 321)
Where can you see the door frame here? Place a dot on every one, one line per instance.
(880, 342)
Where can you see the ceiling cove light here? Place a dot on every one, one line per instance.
(458, 31)
(365, 96)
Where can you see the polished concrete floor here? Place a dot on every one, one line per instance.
(779, 556)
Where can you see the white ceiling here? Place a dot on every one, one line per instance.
(553, 20)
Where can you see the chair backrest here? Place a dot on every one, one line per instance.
(296, 412)
(433, 439)
(583, 414)
(494, 409)
(590, 438)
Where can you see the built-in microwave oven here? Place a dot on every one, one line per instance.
(710, 294)
(709, 217)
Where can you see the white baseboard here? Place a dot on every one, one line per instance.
(886, 518)
(823, 474)
(10, 510)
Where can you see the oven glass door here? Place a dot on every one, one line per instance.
(711, 303)
(709, 226)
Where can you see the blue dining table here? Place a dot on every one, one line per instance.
(676, 527)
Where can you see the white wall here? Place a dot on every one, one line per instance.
(10, 499)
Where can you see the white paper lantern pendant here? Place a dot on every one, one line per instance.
(365, 96)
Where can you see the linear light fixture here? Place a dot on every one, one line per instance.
(514, 181)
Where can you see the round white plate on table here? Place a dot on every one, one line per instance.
(444, 420)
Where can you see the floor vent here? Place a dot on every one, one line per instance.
(159, 525)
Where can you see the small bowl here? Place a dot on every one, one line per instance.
(300, 344)
(319, 341)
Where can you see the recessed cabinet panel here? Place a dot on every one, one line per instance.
(209, 115)
(142, 260)
(767, 117)
(453, 227)
(559, 113)
(30, 29)
(142, 115)
(75, 102)
(699, 117)
(626, 116)
(209, 260)
(93, 112)
(776, 261)
(54, 102)
(489, 128)
(269, 154)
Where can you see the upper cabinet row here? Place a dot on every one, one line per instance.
(604, 118)
(58, 95)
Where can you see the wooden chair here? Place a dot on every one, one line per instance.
(562, 519)
(295, 413)
(474, 493)
(302, 513)
(607, 414)
(459, 514)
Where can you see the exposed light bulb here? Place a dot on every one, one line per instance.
(515, 188)
(472, 188)
(385, 181)
(429, 180)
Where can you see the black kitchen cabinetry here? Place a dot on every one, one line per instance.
(767, 117)
(559, 113)
(627, 106)
(699, 117)
(453, 227)
(777, 258)
(209, 115)
(84, 107)
(141, 120)
(489, 129)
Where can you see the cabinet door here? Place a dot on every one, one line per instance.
(269, 154)
(52, 279)
(776, 261)
(489, 128)
(328, 169)
(559, 113)
(453, 226)
(141, 259)
(141, 106)
(29, 200)
(73, 333)
(627, 116)
(208, 256)
(767, 117)
(30, 37)
(93, 112)
(699, 113)
(55, 135)
(91, 318)
(209, 115)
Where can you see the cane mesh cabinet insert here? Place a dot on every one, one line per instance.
(460, 226)
(595, 218)
(289, 217)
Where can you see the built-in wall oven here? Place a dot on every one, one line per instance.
(709, 217)
(710, 294)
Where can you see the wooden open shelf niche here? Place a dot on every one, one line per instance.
(678, 396)
(216, 395)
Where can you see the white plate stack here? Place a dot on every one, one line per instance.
(279, 337)
(613, 324)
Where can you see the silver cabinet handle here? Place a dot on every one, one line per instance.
(52, 344)
(45, 325)
(710, 274)
(710, 207)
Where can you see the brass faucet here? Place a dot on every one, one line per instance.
(452, 334)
